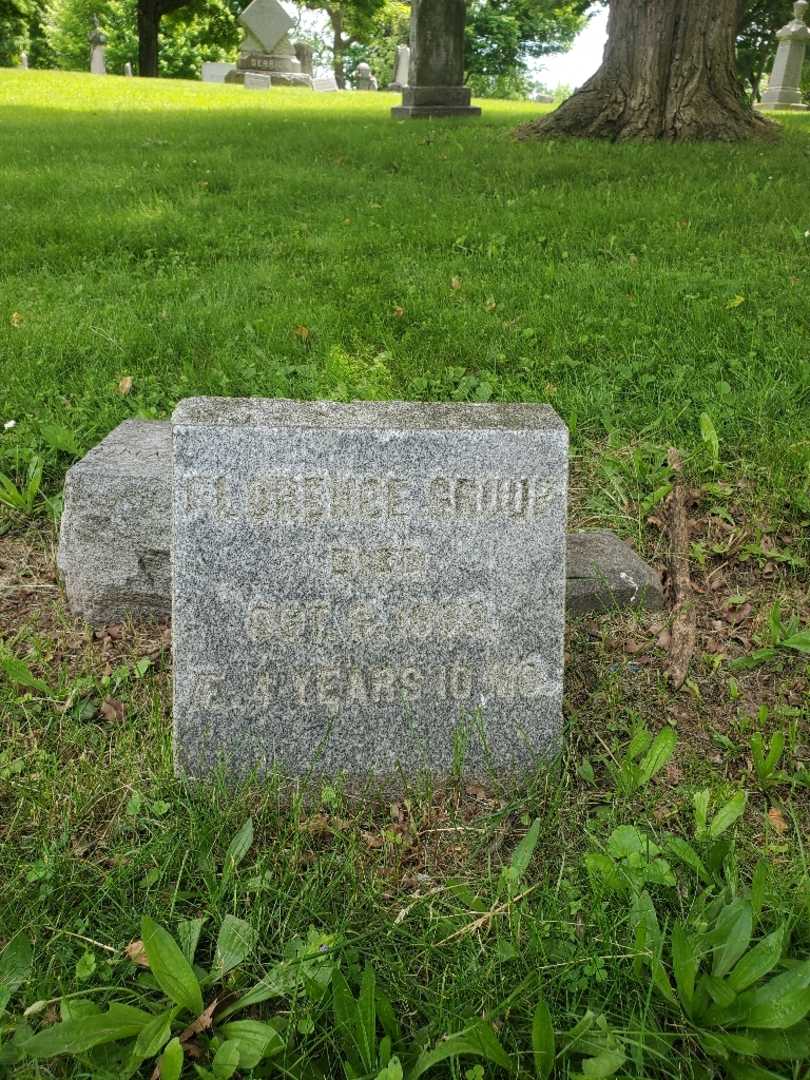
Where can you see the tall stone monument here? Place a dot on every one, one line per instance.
(784, 84)
(436, 84)
(366, 588)
(266, 48)
(98, 49)
(401, 68)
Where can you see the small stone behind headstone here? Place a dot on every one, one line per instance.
(367, 587)
(128, 69)
(304, 55)
(253, 81)
(605, 574)
(23, 64)
(327, 85)
(215, 71)
(115, 536)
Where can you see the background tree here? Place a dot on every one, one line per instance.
(502, 35)
(189, 35)
(668, 72)
(389, 27)
(350, 22)
(15, 16)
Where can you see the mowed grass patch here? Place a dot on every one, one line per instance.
(201, 239)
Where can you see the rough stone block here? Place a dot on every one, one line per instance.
(605, 574)
(366, 588)
(115, 539)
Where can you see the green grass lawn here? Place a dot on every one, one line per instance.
(205, 240)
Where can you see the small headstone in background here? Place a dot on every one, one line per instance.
(98, 49)
(114, 544)
(254, 81)
(304, 54)
(215, 71)
(359, 588)
(401, 68)
(436, 81)
(23, 64)
(326, 85)
(128, 69)
(784, 85)
(363, 78)
(543, 99)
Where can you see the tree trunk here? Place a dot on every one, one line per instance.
(336, 18)
(668, 72)
(149, 13)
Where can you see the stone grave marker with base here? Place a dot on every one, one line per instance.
(266, 47)
(436, 80)
(367, 587)
(784, 85)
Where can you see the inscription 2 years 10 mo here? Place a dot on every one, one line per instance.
(330, 497)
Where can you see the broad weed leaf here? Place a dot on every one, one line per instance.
(238, 849)
(543, 1041)
(235, 942)
(173, 973)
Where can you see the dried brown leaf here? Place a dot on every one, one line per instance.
(777, 820)
(455, 282)
(125, 385)
(112, 709)
(202, 1023)
(136, 953)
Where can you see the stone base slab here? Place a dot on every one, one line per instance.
(424, 112)
(781, 106)
(115, 544)
(277, 78)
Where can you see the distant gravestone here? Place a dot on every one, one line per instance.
(304, 55)
(98, 49)
(256, 82)
(23, 64)
(215, 71)
(363, 78)
(401, 68)
(784, 85)
(326, 85)
(436, 80)
(266, 48)
(367, 587)
(128, 69)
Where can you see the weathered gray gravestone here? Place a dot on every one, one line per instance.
(266, 48)
(401, 68)
(363, 78)
(326, 85)
(254, 81)
(436, 81)
(115, 550)
(98, 49)
(359, 588)
(784, 85)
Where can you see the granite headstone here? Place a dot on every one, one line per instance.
(367, 587)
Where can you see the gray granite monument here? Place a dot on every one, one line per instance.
(23, 64)
(326, 85)
(305, 55)
(266, 48)
(115, 538)
(436, 83)
(363, 78)
(128, 69)
(784, 85)
(98, 49)
(366, 588)
(401, 68)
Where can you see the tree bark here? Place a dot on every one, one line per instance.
(336, 19)
(149, 13)
(668, 72)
